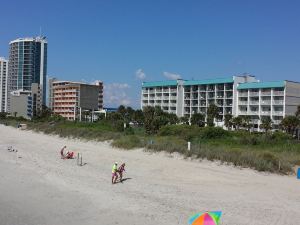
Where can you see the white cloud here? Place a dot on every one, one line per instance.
(172, 76)
(116, 94)
(139, 74)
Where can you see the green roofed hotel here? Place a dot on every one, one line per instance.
(235, 95)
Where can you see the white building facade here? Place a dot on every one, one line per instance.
(236, 95)
(3, 84)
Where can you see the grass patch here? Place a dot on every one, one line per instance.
(276, 152)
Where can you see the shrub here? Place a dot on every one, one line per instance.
(213, 132)
(127, 142)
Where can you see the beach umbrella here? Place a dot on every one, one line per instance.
(207, 218)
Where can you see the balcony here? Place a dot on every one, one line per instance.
(278, 113)
(278, 93)
(254, 102)
(252, 112)
(243, 94)
(276, 122)
(243, 103)
(254, 93)
(265, 102)
(266, 93)
(243, 112)
(278, 102)
(173, 90)
(265, 113)
(173, 97)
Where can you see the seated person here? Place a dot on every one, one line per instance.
(67, 155)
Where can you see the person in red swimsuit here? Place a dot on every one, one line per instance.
(67, 155)
(121, 169)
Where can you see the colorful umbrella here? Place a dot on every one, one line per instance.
(207, 218)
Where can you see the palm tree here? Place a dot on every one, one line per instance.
(290, 124)
(246, 122)
(298, 111)
(228, 121)
(266, 123)
(212, 113)
(237, 122)
(184, 119)
(198, 119)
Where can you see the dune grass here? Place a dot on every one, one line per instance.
(274, 152)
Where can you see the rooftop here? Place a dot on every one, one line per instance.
(255, 85)
(160, 83)
(38, 39)
(209, 81)
(65, 82)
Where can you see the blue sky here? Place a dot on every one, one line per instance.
(114, 41)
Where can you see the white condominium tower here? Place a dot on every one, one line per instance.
(28, 64)
(3, 84)
(236, 95)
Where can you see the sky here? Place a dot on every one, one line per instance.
(124, 43)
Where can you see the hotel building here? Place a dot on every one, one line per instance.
(3, 84)
(26, 103)
(69, 99)
(236, 95)
(28, 64)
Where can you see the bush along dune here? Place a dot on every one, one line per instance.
(276, 152)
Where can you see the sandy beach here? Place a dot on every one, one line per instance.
(37, 187)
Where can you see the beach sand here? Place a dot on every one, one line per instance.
(37, 187)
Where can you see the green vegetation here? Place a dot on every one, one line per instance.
(156, 130)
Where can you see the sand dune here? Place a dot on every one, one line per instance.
(37, 187)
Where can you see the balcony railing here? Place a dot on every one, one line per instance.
(278, 113)
(253, 112)
(278, 102)
(254, 102)
(243, 103)
(254, 93)
(266, 93)
(241, 94)
(276, 122)
(265, 112)
(265, 102)
(281, 93)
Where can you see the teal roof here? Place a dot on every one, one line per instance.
(160, 83)
(210, 81)
(254, 85)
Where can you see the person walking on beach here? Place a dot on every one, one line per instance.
(121, 170)
(114, 173)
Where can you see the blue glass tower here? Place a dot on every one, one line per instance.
(28, 64)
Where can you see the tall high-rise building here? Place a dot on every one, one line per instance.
(28, 64)
(3, 84)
